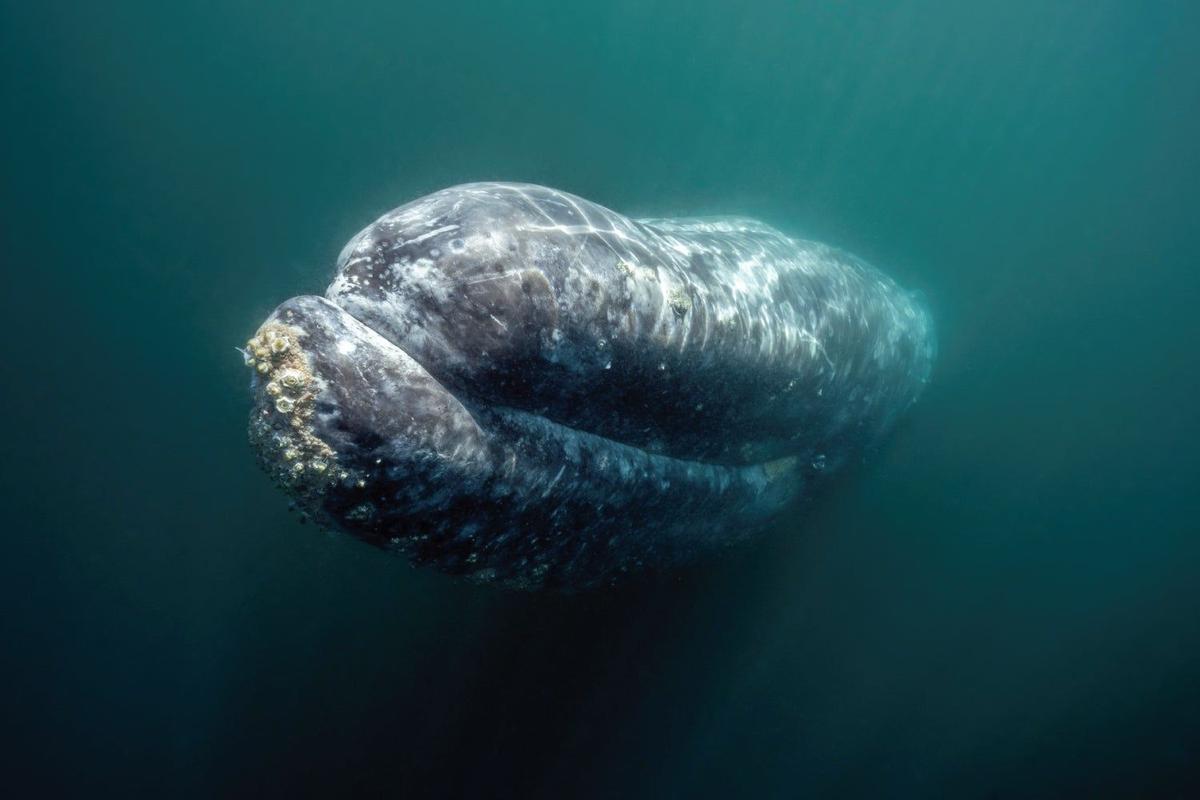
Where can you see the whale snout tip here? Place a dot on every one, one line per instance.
(282, 431)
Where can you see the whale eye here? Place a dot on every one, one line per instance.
(457, 245)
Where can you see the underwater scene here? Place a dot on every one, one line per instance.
(620, 399)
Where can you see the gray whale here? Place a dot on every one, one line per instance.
(512, 383)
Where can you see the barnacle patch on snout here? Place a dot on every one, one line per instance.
(281, 427)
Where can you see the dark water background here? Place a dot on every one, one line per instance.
(1004, 603)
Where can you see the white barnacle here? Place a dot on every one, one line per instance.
(292, 379)
(285, 405)
(680, 302)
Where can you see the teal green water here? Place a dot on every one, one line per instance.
(1005, 602)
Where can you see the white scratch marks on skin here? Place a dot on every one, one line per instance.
(486, 279)
(554, 482)
(428, 235)
(817, 346)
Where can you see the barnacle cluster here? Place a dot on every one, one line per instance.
(280, 426)
(680, 302)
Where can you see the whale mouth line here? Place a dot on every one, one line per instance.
(532, 418)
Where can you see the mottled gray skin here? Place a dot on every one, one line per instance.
(523, 386)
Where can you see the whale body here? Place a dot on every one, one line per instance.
(515, 384)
